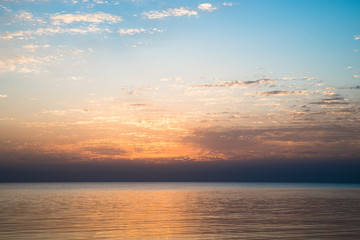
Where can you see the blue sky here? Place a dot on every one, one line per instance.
(179, 80)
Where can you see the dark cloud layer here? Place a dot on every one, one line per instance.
(283, 142)
(295, 170)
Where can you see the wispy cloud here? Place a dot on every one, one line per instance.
(25, 16)
(20, 64)
(53, 31)
(357, 37)
(176, 12)
(133, 31)
(233, 83)
(30, 47)
(3, 96)
(356, 76)
(206, 7)
(228, 4)
(139, 105)
(99, 17)
(100, 2)
(332, 101)
(102, 150)
(176, 79)
(5, 8)
(279, 93)
(310, 78)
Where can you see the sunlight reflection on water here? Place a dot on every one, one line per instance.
(178, 211)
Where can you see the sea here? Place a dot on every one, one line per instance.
(179, 211)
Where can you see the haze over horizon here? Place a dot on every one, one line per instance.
(235, 90)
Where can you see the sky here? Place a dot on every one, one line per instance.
(163, 83)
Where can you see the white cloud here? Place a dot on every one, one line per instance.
(156, 30)
(206, 7)
(100, 2)
(20, 64)
(177, 12)
(348, 67)
(310, 78)
(78, 52)
(32, 48)
(26, 63)
(14, 34)
(228, 4)
(75, 78)
(170, 79)
(3, 96)
(357, 37)
(138, 44)
(50, 31)
(5, 8)
(131, 31)
(53, 31)
(356, 76)
(27, 17)
(91, 17)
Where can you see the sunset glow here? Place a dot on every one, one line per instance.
(165, 81)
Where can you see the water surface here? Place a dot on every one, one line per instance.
(179, 211)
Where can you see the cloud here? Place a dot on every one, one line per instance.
(53, 31)
(27, 63)
(279, 93)
(3, 96)
(99, 17)
(19, 34)
(30, 47)
(5, 8)
(233, 83)
(20, 64)
(100, 2)
(356, 76)
(228, 4)
(106, 151)
(139, 105)
(290, 142)
(176, 79)
(75, 78)
(332, 101)
(230, 84)
(357, 37)
(27, 17)
(206, 7)
(176, 12)
(138, 44)
(131, 31)
(67, 169)
(310, 78)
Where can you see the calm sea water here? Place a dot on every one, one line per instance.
(179, 211)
